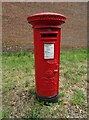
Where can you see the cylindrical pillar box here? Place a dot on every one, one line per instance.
(47, 38)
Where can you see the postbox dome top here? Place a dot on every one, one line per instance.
(47, 18)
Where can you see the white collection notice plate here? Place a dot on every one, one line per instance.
(48, 51)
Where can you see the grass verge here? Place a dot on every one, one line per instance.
(19, 87)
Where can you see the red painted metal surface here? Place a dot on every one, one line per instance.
(47, 33)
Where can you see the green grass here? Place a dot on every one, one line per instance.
(19, 87)
(33, 115)
(32, 91)
(5, 113)
(78, 98)
(72, 65)
(74, 56)
(27, 83)
(14, 65)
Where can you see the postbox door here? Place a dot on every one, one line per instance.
(50, 57)
(47, 63)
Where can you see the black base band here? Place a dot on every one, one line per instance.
(47, 99)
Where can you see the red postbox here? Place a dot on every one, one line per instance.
(47, 33)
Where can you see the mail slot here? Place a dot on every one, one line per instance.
(47, 33)
(48, 36)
